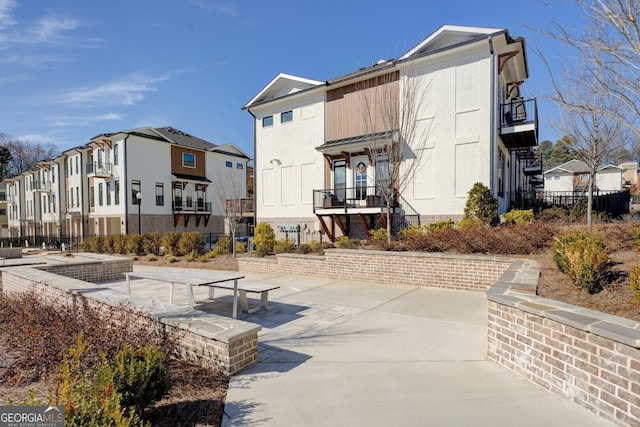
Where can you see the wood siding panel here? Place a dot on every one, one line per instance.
(176, 161)
(346, 106)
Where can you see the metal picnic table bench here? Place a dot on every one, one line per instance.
(212, 280)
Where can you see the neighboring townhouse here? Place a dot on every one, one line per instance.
(630, 175)
(573, 177)
(319, 160)
(50, 188)
(32, 220)
(160, 179)
(4, 217)
(16, 206)
(76, 189)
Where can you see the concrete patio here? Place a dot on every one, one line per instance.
(335, 352)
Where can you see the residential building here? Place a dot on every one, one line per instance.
(323, 148)
(50, 189)
(159, 179)
(16, 207)
(4, 216)
(630, 175)
(573, 176)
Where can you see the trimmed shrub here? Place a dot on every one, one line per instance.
(343, 242)
(93, 244)
(264, 239)
(134, 244)
(283, 246)
(303, 248)
(224, 244)
(120, 243)
(241, 247)
(438, 226)
(190, 243)
(170, 242)
(584, 258)
(379, 238)
(470, 223)
(151, 243)
(481, 205)
(554, 214)
(108, 244)
(318, 248)
(518, 216)
(634, 281)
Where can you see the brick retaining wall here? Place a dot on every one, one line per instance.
(205, 339)
(111, 268)
(10, 253)
(462, 272)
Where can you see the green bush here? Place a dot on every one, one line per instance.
(584, 258)
(439, 226)
(170, 242)
(518, 216)
(264, 238)
(470, 224)
(316, 247)
(283, 246)
(411, 231)
(481, 205)
(634, 281)
(108, 244)
(139, 375)
(344, 242)
(241, 247)
(93, 244)
(120, 243)
(303, 248)
(190, 243)
(151, 243)
(379, 238)
(224, 244)
(134, 244)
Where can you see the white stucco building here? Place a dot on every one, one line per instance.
(573, 176)
(317, 159)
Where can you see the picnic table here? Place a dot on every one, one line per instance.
(210, 279)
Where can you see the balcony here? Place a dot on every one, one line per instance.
(519, 124)
(42, 186)
(190, 206)
(348, 199)
(242, 208)
(99, 170)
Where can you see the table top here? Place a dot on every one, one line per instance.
(192, 278)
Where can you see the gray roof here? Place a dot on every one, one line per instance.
(182, 138)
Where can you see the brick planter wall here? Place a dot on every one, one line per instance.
(590, 358)
(9, 253)
(92, 271)
(462, 272)
(212, 341)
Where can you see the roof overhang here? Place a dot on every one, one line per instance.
(356, 144)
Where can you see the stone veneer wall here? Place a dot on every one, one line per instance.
(462, 272)
(588, 357)
(208, 340)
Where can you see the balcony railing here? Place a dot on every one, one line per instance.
(519, 123)
(345, 198)
(240, 207)
(99, 169)
(41, 186)
(186, 206)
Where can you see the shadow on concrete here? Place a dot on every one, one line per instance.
(243, 413)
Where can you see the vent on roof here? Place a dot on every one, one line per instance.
(177, 132)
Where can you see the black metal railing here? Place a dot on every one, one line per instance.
(616, 203)
(99, 168)
(194, 206)
(519, 111)
(240, 207)
(348, 197)
(41, 186)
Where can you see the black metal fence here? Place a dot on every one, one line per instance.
(615, 203)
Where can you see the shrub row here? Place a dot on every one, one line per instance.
(174, 243)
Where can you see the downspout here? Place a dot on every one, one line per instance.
(494, 125)
(82, 224)
(255, 175)
(124, 188)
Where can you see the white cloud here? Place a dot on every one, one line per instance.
(6, 13)
(50, 27)
(77, 120)
(215, 6)
(126, 91)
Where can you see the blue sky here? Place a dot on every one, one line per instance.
(72, 69)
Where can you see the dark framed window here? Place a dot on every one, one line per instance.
(116, 154)
(188, 160)
(159, 194)
(100, 194)
(116, 192)
(108, 193)
(287, 116)
(267, 121)
(92, 202)
(239, 166)
(135, 189)
(228, 164)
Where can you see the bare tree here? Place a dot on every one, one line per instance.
(609, 47)
(391, 109)
(24, 155)
(232, 193)
(594, 134)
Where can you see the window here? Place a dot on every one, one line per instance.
(239, 166)
(53, 203)
(115, 154)
(267, 121)
(100, 194)
(135, 189)
(116, 192)
(108, 184)
(71, 197)
(44, 204)
(228, 164)
(53, 174)
(287, 116)
(584, 178)
(188, 160)
(78, 196)
(360, 179)
(77, 164)
(159, 194)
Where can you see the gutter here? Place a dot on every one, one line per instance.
(125, 187)
(494, 124)
(255, 175)
(85, 202)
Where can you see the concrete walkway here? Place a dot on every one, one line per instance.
(347, 353)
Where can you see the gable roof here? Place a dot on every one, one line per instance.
(282, 85)
(448, 36)
(578, 166)
(179, 137)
